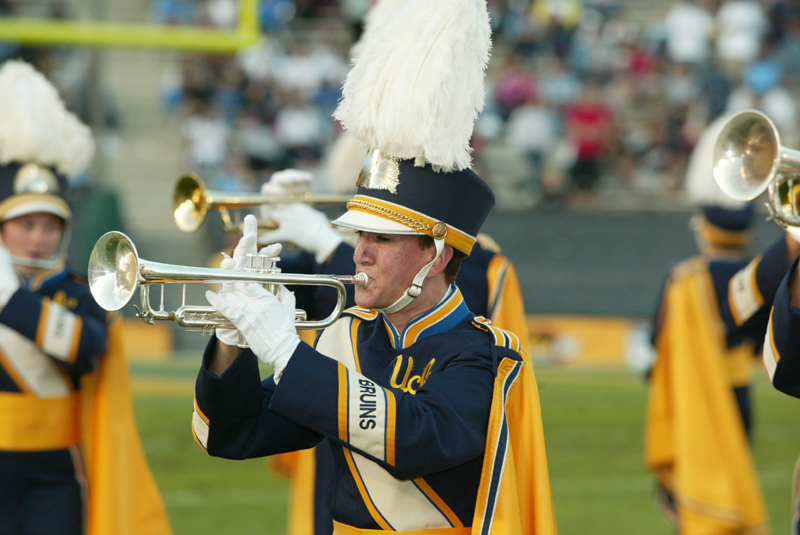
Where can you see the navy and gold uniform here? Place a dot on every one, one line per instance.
(746, 304)
(71, 462)
(490, 288)
(781, 344)
(68, 437)
(698, 414)
(407, 426)
(51, 332)
(435, 429)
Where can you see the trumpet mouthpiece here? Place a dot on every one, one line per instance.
(361, 280)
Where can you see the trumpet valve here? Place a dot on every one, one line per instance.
(261, 263)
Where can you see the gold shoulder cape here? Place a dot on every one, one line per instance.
(514, 495)
(694, 438)
(123, 496)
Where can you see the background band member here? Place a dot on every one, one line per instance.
(70, 457)
(699, 405)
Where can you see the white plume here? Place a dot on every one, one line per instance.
(701, 188)
(36, 127)
(374, 18)
(416, 88)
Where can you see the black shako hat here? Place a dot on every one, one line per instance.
(395, 197)
(30, 188)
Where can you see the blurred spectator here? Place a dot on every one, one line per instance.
(172, 11)
(223, 13)
(741, 24)
(302, 130)
(206, 136)
(515, 87)
(275, 14)
(558, 85)
(532, 130)
(588, 124)
(689, 27)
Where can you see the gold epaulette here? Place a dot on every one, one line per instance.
(502, 337)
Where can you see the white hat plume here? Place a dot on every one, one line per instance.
(416, 88)
(36, 127)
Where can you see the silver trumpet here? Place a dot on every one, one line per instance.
(115, 271)
(749, 159)
(192, 201)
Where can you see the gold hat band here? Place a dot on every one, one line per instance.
(59, 205)
(723, 237)
(416, 221)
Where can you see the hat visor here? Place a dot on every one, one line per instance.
(38, 206)
(366, 222)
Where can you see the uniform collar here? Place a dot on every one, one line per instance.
(45, 276)
(450, 311)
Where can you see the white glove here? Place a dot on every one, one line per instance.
(305, 227)
(266, 321)
(246, 245)
(281, 184)
(9, 283)
(289, 178)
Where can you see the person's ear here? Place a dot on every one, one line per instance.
(441, 262)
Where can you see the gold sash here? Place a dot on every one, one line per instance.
(344, 529)
(30, 423)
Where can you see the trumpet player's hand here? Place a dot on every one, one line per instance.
(237, 263)
(266, 321)
(9, 283)
(305, 227)
(248, 243)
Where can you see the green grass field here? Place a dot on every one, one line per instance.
(593, 427)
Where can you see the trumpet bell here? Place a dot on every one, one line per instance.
(747, 155)
(189, 203)
(113, 271)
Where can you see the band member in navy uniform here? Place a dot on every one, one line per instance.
(699, 405)
(431, 413)
(486, 278)
(70, 457)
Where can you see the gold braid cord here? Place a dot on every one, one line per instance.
(409, 221)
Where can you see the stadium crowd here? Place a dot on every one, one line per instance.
(584, 98)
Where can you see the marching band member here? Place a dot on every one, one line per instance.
(70, 457)
(699, 405)
(486, 278)
(430, 413)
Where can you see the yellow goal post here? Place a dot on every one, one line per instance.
(32, 31)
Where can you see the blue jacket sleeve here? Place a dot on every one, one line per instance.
(235, 411)
(752, 291)
(76, 337)
(782, 341)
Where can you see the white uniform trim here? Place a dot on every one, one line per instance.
(401, 503)
(200, 427)
(39, 373)
(770, 359)
(367, 415)
(59, 332)
(744, 295)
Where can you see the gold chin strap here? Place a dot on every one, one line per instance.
(439, 233)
